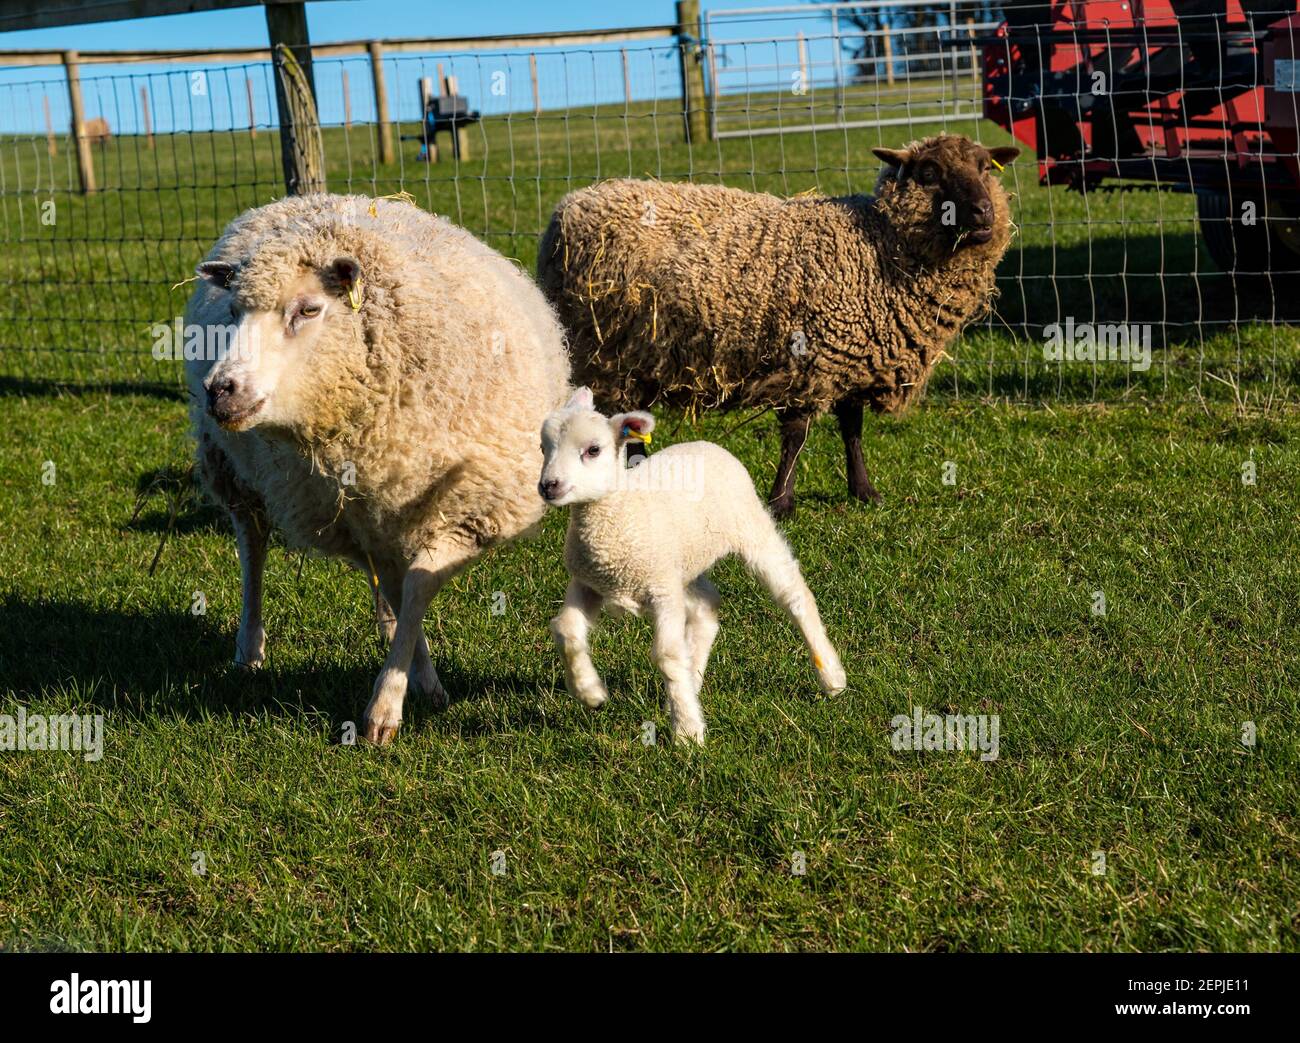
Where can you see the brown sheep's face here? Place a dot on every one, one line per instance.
(958, 176)
(277, 344)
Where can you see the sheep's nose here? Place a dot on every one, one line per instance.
(547, 487)
(219, 391)
(983, 212)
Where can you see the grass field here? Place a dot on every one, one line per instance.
(1120, 734)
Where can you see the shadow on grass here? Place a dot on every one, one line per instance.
(169, 501)
(172, 663)
(1162, 280)
(33, 387)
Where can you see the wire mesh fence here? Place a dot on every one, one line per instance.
(1157, 197)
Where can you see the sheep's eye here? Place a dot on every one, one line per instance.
(926, 175)
(309, 311)
(593, 450)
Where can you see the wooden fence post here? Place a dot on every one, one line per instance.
(889, 57)
(381, 101)
(804, 64)
(85, 159)
(694, 113)
(50, 143)
(347, 102)
(148, 116)
(252, 108)
(295, 98)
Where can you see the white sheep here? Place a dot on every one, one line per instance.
(376, 397)
(642, 539)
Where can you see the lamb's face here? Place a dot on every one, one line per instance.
(581, 450)
(266, 375)
(956, 180)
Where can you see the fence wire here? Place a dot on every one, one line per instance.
(1164, 197)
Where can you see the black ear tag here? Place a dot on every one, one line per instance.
(636, 452)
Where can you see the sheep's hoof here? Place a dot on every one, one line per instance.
(834, 685)
(423, 679)
(689, 734)
(830, 675)
(381, 733)
(867, 493)
(782, 507)
(250, 650)
(593, 698)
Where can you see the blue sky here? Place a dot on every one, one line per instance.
(219, 99)
(355, 20)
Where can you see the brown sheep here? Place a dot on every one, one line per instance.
(705, 296)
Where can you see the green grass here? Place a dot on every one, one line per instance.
(1119, 734)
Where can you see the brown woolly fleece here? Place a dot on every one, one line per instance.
(705, 296)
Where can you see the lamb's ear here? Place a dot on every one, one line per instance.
(581, 400)
(1003, 154)
(216, 272)
(636, 426)
(892, 157)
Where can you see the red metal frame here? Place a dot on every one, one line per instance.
(1243, 129)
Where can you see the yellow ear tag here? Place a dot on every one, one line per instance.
(629, 433)
(354, 295)
(996, 163)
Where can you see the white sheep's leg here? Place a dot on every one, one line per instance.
(702, 601)
(430, 569)
(251, 535)
(569, 630)
(772, 562)
(672, 656)
(422, 677)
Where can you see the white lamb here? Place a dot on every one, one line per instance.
(642, 539)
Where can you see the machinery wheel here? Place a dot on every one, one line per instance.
(1266, 251)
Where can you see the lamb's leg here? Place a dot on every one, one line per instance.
(702, 601)
(769, 558)
(849, 414)
(672, 657)
(251, 534)
(569, 630)
(794, 433)
(429, 570)
(422, 676)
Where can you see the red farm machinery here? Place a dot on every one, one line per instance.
(1187, 95)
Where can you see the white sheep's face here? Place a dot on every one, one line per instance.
(582, 450)
(261, 377)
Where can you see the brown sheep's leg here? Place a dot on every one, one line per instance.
(849, 414)
(794, 433)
